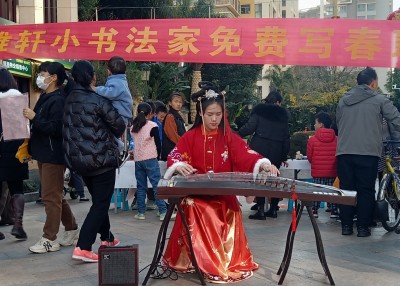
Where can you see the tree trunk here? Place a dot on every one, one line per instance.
(196, 78)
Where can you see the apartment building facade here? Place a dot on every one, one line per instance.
(227, 8)
(268, 9)
(356, 9)
(33, 12)
(364, 9)
(247, 9)
(352, 9)
(39, 11)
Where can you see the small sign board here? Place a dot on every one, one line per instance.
(19, 67)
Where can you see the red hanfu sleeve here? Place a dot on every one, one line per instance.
(243, 158)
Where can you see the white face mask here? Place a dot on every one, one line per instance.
(40, 82)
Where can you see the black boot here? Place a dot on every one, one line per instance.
(6, 209)
(273, 208)
(2, 236)
(7, 217)
(259, 214)
(272, 212)
(18, 201)
(363, 231)
(254, 207)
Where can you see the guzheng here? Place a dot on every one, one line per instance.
(247, 184)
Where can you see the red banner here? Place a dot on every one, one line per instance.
(326, 42)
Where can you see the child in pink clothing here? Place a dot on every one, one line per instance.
(146, 152)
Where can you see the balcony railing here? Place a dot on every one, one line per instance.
(232, 5)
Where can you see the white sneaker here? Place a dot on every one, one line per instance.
(69, 237)
(140, 216)
(45, 245)
(162, 216)
(151, 205)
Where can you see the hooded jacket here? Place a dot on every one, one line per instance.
(270, 125)
(359, 119)
(117, 90)
(321, 153)
(91, 125)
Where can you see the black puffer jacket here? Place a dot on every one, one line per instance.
(91, 125)
(45, 144)
(269, 124)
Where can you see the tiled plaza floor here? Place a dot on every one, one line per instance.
(352, 261)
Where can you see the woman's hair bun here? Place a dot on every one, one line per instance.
(204, 87)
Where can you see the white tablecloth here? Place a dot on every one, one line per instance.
(297, 165)
(126, 179)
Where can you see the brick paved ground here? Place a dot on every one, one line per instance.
(352, 261)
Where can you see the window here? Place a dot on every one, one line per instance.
(329, 11)
(371, 7)
(258, 10)
(260, 76)
(245, 9)
(361, 7)
(50, 11)
(283, 13)
(259, 91)
(8, 10)
(283, 3)
(343, 9)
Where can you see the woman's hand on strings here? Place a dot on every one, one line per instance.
(185, 170)
(270, 169)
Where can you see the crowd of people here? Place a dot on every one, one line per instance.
(80, 126)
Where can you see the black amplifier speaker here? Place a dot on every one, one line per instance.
(119, 265)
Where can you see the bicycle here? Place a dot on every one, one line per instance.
(388, 197)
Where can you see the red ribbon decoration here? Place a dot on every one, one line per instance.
(294, 199)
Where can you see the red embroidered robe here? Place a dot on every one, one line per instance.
(215, 222)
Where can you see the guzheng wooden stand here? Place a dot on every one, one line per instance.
(307, 193)
(162, 235)
(283, 268)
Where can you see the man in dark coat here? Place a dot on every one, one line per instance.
(269, 126)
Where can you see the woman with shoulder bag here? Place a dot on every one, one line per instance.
(45, 146)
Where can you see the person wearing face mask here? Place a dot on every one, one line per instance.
(45, 146)
(359, 117)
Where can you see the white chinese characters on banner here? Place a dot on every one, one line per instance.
(14, 124)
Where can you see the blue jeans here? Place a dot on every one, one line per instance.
(143, 170)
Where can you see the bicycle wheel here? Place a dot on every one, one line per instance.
(388, 201)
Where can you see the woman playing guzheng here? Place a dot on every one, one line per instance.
(218, 237)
